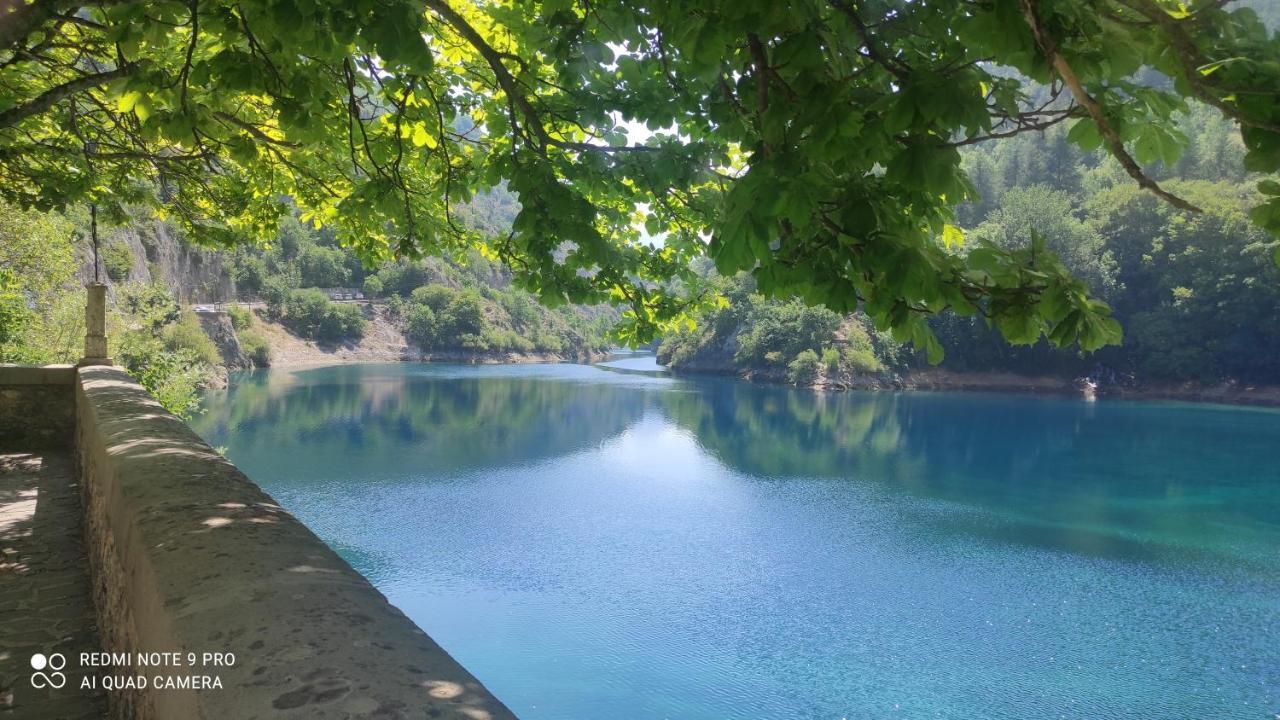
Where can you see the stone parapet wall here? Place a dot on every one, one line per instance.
(188, 555)
(37, 407)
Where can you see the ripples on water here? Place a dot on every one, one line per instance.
(614, 543)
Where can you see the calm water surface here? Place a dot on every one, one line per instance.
(609, 542)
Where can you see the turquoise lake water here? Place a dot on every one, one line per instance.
(605, 542)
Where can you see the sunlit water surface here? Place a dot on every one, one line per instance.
(614, 543)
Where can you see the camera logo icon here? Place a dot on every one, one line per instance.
(54, 677)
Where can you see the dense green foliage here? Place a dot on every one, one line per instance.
(161, 345)
(117, 260)
(467, 305)
(185, 333)
(241, 318)
(498, 320)
(40, 322)
(311, 314)
(779, 339)
(1198, 292)
(817, 143)
(256, 347)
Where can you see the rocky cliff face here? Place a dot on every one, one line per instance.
(160, 254)
(217, 325)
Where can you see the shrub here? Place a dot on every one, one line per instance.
(187, 335)
(275, 293)
(862, 360)
(256, 347)
(117, 260)
(151, 305)
(860, 355)
(323, 267)
(436, 297)
(402, 278)
(783, 328)
(464, 315)
(804, 368)
(421, 326)
(173, 377)
(519, 306)
(15, 316)
(342, 322)
(304, 309)
(395, 307)
(310, 314)
(372, 286)
(547, 341)
(506, 341)
(831, 359)
(241, 318)
(441, 317)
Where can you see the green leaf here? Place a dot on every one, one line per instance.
(900, 116)
(128, 100)
(952, 236)
(1085, 134)
(422, 136)
(1054, 303)
(398, 39)
(1019, 325)
(142, 109)
(1147, 148)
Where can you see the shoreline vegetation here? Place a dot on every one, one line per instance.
(301, 354)
(938, 380)
(383, 341)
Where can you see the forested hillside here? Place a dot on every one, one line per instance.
(462, 308)
(463, 304)
(1198, 294)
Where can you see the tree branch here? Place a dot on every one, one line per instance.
(511, 88)
(873, 50)
(1082, 96)
(56, 94)
(252, 129)
(1022, 124)
(1190, 59)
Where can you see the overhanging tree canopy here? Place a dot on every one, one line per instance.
(811, 142)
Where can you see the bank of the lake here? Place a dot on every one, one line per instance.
(937, 379)
(382, 341)
(616, 542)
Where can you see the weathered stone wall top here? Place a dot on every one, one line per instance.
(37, 408)
(191, 556)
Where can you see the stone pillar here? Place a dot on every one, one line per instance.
(95, 322)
